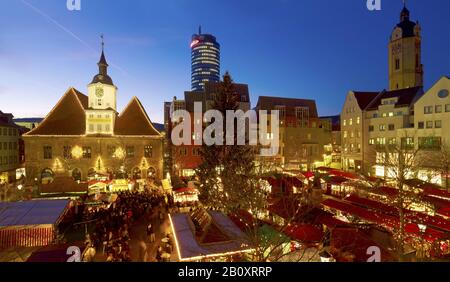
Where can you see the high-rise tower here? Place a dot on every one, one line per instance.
(405, 63)
(205, 60)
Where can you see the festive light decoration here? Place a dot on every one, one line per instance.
(77, 152)
(119, 153)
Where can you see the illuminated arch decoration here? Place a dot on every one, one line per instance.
(47, 176)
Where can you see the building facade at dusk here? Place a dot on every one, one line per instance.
(186, 158)
(9, 148)
(205, 56)
(302, 138)
(84, 137)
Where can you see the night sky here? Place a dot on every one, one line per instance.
(304, 49)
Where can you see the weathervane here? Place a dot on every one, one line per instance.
(103, 42)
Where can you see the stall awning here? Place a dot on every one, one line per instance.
(32, 212)
(304, 233)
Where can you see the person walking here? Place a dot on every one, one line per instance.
(151, 233)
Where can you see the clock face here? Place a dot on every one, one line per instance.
(396, 49)
(99, 92)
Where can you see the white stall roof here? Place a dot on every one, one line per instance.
(32, 212)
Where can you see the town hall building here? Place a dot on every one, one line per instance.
(85, 138)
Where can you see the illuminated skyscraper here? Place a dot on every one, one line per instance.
(205, 60)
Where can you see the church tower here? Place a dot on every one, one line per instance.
(102, 111)
(405, 52)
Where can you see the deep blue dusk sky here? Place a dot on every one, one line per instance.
(305, 49)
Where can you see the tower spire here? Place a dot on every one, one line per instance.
(103, 42)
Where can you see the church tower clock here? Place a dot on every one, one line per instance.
(405, 63)
(102, 111)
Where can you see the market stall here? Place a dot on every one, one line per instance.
(31, 223)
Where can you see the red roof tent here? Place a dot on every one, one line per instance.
(344, 174)
(304, 233)
(415, 217)
(391, 222)
(355, 242)
(186, 190)
(436, 192)
(378, 218)
(367, 203)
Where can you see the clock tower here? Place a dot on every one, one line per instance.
(102, 111)
(405, 50)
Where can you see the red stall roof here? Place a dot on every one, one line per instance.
(304, 233)
(371, 204)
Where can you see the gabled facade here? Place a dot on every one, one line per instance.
(85, 138)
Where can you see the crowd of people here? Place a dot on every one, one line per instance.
(112, 224)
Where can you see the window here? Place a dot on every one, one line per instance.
(382, 127)
(397, 64)
(371, 128)
(391, 114)
(447, 108)
(371, 141)
(350, 122)
(196, 151)
(430, 143)
(399, 114)
(183, 151)
(392, 141)
(302, 114)
(87, 152)
(48, 153)
(421, 125)
(107, 128)
(130, 151)
(375, 115)
(438, 109)
(428, 110)
(99, 102)
(352, 134)
(429, 124)
(111, 150)
(345, 122)
(391, 127)
(99, 128)
(358, 134)
(91, 128)
(358, 120)
(407, 143)
(438, 124)
(381, 141)
(345, 134)
(148, 151)
(67, 152)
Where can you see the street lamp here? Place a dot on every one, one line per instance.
(422, 229)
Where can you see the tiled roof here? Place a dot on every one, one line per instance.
(405, 97)
(66, 118)
(134, 121)
(364, 98)
(269, 103)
